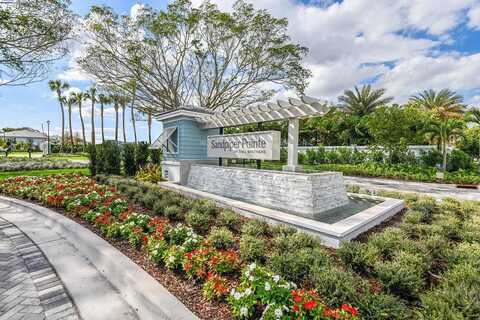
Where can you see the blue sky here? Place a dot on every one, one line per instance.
(404, 46)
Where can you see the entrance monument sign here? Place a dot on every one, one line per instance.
(263, 145)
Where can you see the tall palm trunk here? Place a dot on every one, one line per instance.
(101, 121)
(83, 124)
(70, 126)
(62, 111)
(123, 123)
(93, 151)
(444, 147)
(132, 114)
(149, 124)
(115, 106)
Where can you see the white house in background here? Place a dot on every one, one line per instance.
(36, 138)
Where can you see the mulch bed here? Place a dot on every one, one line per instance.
(187, 291)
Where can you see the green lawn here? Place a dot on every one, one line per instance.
(47, 172)
(55, 156)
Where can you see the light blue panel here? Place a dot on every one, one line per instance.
(192, 139)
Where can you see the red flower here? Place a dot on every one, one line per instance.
(348, 308)
(309, 305)
(145, 239)
(296, 308)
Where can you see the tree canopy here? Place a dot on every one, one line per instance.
(33, 33)
(200, 56)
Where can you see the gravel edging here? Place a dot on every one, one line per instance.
(144, 294)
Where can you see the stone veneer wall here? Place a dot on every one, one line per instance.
(300, 193)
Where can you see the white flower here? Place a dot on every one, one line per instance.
(243, 311)
(276, 278)
(267, 286)
(278, 313)
(251, 278)
(237, 295)
(171, 259)
(252, 266)
(248, 291)
(247, 273)
(232, 292)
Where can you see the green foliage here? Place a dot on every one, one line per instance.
(149, 173)
(403, 275)
(337, 286)
(459, 160)
(156, 156)
(129, 164)
(358, 256)
(205, 207)
(297, 265)
(173, 212)
(198, 220)
(111, 158)
(255, 228)
(252, 248)
(141, 154)
(382, 306)
(221, 238)
(295, 241)
(229, 219)
(456, 297)
(432, 158)
(283, 230)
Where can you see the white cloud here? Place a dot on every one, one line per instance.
(474, 17)
(474, 101)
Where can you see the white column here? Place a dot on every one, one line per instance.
(292, 160)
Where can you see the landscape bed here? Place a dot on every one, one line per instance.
(424, 265)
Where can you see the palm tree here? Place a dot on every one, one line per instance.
(92, 95)
(70, 101)
(149, 123)
(123, 104)
(79, 97)
(443, 106)
(59, 87)
(116, 99)
(364, 101)
(473, 116)
(103, 99)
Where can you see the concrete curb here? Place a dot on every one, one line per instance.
(148, 298)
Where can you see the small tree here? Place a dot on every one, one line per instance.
(129, 164)
(156, 156)
(443, 107)
(364, 101)
(111, 157)
(141, 154)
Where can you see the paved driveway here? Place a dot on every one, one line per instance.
(437, 190)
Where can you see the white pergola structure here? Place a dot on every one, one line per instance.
(291, 110)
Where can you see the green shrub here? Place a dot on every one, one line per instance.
(457, 159)
(150, 198)
(457, 296)
(297, 265)
(129, 164)
(337, 286)
(295, 241)
(252, 248)
(425, 205)
(173, 212)
(185, 204)
(403, 275)
(131, 191)
(159, 206)
(228, 219)
(156, 156)
(255, 228)
(111, 158)
(141, 154)
(451, 226)
(199, 221)
(205, 207)
(283, 230)
(389, 242)
(414, 217)
(221, 238)
(358, 256)
(382, 306)
(149, 173)
(432, 158)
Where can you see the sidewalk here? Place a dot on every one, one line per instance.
(437, 190)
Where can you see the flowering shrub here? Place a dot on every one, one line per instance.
(215, 287)
(178, 247)
(279, 299)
